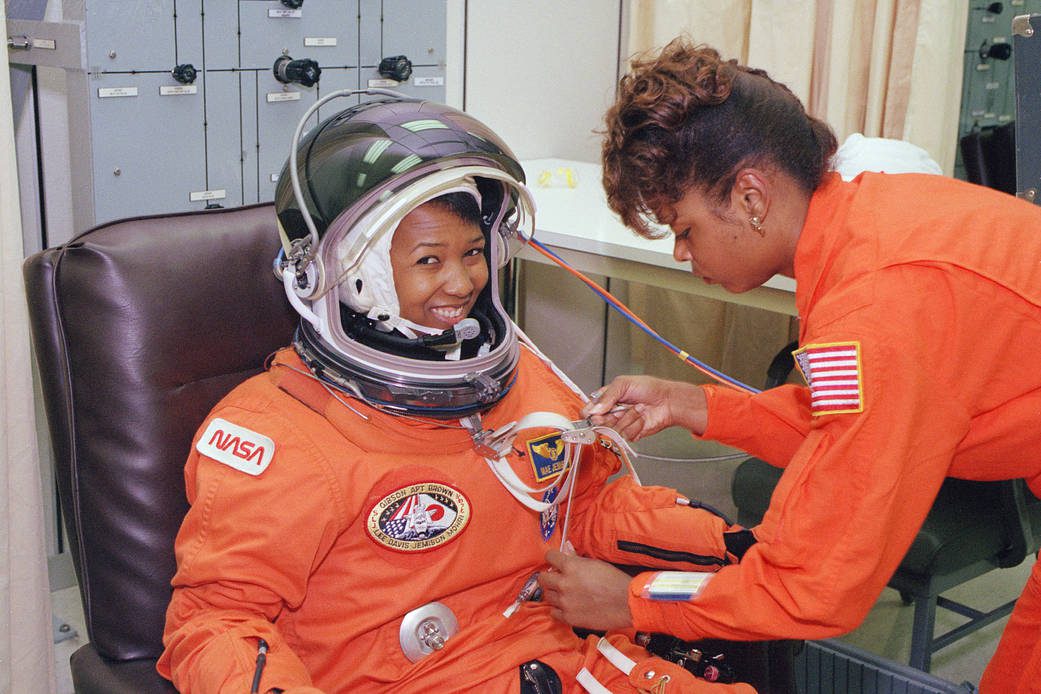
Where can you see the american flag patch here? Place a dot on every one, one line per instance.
(834, 375)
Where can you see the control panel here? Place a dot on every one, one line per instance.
(988, 104)
(189, 104)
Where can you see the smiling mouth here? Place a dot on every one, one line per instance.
(450, 315)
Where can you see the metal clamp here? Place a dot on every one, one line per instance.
(493, 444)
(583, 433)
(1021, 26)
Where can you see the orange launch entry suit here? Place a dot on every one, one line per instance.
(920, 305)
(322, 545)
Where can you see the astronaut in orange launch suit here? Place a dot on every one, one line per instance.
(369, 513)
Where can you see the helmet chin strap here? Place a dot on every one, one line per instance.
(403, 325)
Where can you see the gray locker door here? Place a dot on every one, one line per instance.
(220, 34)
(333, 80)
(322, 30)
(125, 36)
(248, 90)
(278, 112)
(148, 149)
(225, 148)
(413, 28)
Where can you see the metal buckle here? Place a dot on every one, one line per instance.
(583, 433)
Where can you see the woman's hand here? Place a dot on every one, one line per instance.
(639, 406)
(586, 593)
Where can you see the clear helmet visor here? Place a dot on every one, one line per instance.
(352, 236)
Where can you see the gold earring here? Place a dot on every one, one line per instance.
(757, 225)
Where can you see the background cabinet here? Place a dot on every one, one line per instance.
(177, 106)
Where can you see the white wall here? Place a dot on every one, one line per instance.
(541, 73)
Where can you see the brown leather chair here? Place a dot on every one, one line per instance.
(139, 327)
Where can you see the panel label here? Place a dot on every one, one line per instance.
(47, 44)
(319, 41)
(116, 92)
(273, 97)
(383, 83)
(178, 89)
(201, 195)
(429, 81)
(284, 14)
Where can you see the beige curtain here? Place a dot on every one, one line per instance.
(26, 649)
(886, 68)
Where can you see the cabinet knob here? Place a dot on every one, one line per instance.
(396, 67)
(185, 74)
(998, 51)
(303, 71)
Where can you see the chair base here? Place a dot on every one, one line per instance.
(924, 644)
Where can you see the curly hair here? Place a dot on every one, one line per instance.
(686, 119)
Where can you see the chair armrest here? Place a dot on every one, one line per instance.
(93, 674)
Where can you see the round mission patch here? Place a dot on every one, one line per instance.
(418, 517)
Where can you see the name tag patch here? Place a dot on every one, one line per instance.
(547, 456)
(834, 375)
(236, 446)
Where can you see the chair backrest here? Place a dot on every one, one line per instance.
(139, 327)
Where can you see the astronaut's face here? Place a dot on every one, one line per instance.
(439, 266)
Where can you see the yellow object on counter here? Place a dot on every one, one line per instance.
(561, 177)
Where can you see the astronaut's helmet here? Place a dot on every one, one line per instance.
(341, 197)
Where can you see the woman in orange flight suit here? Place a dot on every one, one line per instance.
(919, 300)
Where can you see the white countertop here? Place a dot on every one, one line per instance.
(578, 219)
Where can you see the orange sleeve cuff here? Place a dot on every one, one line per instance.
(648, 615)
(674, 589)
